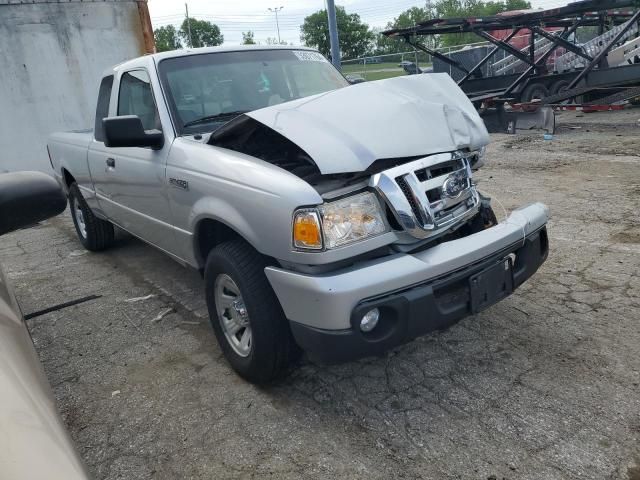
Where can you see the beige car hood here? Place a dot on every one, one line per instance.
(346, 130)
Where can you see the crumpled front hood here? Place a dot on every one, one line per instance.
(346, 130)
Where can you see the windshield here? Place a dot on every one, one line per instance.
(203, 89)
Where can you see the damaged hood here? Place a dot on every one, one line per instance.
(346, 130)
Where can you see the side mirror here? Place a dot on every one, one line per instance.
(127, 131)
(27, 198)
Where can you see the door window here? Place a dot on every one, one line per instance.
(136, 98)
(102, 109)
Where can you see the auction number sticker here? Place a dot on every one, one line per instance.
(305, 56)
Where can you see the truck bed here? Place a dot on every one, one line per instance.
(68, 153)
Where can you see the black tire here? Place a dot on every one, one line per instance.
(97, 234)
(534, 91)
(272, 346)
(559, 86)
(488, 216)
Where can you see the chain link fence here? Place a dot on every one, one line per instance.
(377, 67)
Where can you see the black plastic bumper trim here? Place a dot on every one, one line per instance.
(415, 311)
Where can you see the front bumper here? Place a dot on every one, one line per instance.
(416, 293)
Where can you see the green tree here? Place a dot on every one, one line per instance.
(203, 33)
(247, 38)
(443, 9)
(473, 8)
(406, 19)
(166, 38)
(274, 41)
(355, 37)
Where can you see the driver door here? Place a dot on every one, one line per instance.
(130, 181)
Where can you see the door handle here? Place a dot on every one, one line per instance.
(111, 163)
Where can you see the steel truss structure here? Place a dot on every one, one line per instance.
(606, 15)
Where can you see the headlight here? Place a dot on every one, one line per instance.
(478, 159)
(351, 219)
(341, 222)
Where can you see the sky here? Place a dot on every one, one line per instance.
(237, 16)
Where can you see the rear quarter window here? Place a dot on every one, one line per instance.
(102, 110)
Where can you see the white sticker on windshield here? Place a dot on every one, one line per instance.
(306, 56)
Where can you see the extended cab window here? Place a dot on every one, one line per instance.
(102, 110)
(136, 98)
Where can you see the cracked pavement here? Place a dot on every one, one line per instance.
(544, 385)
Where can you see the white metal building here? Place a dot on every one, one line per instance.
(52, 55)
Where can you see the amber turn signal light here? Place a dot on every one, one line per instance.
(306, 230)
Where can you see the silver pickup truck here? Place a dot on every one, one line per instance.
(340, 219)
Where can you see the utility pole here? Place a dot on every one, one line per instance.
(333, 34)
(276, 10)
(186, 10)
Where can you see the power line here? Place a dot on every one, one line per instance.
(383, 5)
(371, 14)
(378, 9)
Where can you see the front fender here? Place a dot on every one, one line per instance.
(252, 197)
(220, 210)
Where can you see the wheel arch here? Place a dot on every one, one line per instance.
(67, 178)
(210, 232)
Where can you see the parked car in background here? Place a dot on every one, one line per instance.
(410, 68)
(344, 221)
(34, 443)
(354, 78)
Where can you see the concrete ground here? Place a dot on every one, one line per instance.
(544, 385)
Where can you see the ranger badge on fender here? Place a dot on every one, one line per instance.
(176, 182)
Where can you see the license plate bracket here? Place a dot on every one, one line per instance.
(491, 285)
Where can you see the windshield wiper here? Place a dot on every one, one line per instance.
(210, 118)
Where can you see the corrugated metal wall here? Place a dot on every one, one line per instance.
(52, 56)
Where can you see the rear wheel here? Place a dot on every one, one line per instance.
(94, 233)
(559, 87)
(535, 91)
(245, 314)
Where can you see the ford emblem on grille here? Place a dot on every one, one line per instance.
(429, 195)
(454, 185)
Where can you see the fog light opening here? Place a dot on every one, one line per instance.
(370, 320)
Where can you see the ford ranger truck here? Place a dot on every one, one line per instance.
(339, 219)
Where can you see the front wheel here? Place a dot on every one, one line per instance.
(245, 314)
(94, 233)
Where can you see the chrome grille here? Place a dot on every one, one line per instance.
(431, 194)
(402, 183)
